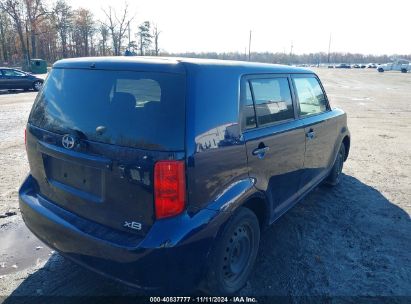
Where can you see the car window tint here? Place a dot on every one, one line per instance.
(310, 96)
(248, 112)
(145, 91)
(272, 98)
(135, 109)
(12, 73)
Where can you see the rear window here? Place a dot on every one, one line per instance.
(135, 109)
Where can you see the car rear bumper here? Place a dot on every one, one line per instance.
(171, 257)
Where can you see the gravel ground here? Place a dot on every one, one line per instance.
(351, 240)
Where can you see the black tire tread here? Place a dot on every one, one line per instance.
(332, 179)
(213, 284)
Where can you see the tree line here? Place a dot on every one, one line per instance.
(52, 31)
(298, 59)
(37, 29)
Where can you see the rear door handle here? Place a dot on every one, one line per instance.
(260, 152)
(310, 134)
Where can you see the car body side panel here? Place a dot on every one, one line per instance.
(278, 173)
(339, 119)
(331, 128)
(216, 153)
(319, 151)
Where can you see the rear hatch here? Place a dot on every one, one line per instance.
(94, 136)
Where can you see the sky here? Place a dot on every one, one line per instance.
(356, 26)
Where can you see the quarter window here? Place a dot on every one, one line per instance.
(272, 100)
(310, 96)
(249, 113)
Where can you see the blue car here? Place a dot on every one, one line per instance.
(161, 172)
(12, 79)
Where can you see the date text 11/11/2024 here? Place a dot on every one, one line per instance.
(239, 299)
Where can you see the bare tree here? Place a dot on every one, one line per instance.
(117, 26)
(15, 9)
(63, 19)
(5, 35)
(156, 34)
(84, 28)
(47, 40)
(35, 13)
(104, 37)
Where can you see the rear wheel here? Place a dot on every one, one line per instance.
(233, 256)
(380, 70)
(404, 71)
(37, 86)
(335, 175)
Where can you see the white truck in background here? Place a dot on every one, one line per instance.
(402, 65)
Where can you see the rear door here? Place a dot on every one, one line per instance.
(275, 140)
(95, 135)
(320, 129)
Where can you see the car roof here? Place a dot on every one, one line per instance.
(173, 64)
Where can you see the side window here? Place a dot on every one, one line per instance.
(249, 114)
(310, 96)
(272, 99)
(9, 73)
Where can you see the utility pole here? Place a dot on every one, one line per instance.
(291, 51)
(249, 48)
(129, 36)
(329, 49)
(28, 47)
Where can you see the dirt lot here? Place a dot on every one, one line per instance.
(353, 239)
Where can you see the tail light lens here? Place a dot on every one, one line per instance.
(25, 137)
(169, 188)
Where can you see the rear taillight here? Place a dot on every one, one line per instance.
(169, 188)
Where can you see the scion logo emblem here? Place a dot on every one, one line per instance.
(68, 141)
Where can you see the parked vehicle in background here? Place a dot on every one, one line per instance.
(167, 185)
(372, 66)
(356, 66)
(363, 66)
(343, 66)
(12, 79)
(401, 65)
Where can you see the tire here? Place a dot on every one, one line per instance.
(381, 70)
(334, 177)
(404, 71)
(233, 256)
(37, 85)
